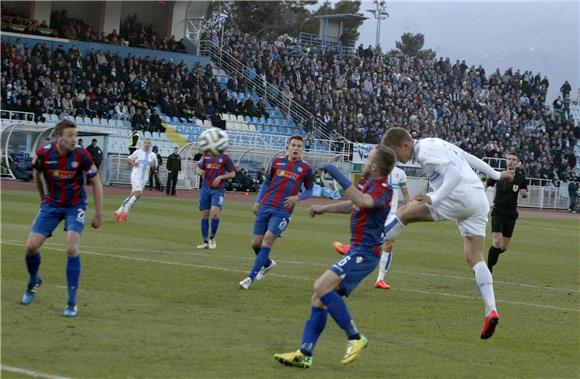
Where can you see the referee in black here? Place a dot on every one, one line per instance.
(505, 213)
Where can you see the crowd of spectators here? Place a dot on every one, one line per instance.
(361, 95)
(106, 85)
(132, 32)
(17, 21)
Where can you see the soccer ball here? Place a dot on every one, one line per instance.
(214, 140)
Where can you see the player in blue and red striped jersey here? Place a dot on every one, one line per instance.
(214, 169)
(59, 170)
(278, 195)
(369, 206)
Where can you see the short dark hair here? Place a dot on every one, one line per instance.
(514, 154)
(296, 137)
(385, 158)
(396, 137)
(94, 140)
(62, 125)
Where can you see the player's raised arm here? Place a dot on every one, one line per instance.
(481, 166)
(379, 164)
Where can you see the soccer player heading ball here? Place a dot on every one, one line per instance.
(458, 195)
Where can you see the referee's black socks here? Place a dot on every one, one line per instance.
(493, 256)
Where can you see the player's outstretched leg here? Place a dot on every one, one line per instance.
(32, 264)
(484, 282)
(384, 265)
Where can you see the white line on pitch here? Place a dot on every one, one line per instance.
(171, 263)
(395, 271)
(34, 374)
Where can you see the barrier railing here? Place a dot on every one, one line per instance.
(272, 93)
(17, 116)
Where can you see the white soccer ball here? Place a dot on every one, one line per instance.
(214, 140)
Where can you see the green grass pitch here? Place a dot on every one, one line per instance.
(151, 306)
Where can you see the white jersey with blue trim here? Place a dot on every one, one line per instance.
(146, 160)
(435, 155)
(397, 179)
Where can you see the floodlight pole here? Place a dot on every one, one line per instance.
(379, 13)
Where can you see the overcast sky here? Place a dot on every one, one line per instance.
(542, 36)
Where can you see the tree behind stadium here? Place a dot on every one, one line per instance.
(269, 19)
(412, 45)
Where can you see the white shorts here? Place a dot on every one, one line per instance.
(137, 184)
(466, 205)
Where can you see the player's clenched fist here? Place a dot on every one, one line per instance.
(97, 221)
(508, 175)
(315, 210)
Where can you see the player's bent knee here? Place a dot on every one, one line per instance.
(72, 251)
(32, 248)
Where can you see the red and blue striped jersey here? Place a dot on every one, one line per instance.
(64, 175)
(286, 178)
(367, 225)
(214, 167)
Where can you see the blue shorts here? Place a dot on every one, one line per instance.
(272, 220)
(49, 217)
(354, 267)
(211, 198)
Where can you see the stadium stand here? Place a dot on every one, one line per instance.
(357, 96)
(361, 95)
(132, 33)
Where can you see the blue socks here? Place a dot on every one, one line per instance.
(73, 273)
(204, 228)
(313, 329)
(339, 312)
(268, 261)
(215, 222)
(261, 259)
(33, 263)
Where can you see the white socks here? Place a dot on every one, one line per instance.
(393, 229)
(130, 203)
(127, 204)
(384, 264)
(484, 282)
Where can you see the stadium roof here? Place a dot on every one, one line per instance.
(343, 17)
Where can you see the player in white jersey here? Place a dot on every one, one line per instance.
(142, 160)
(398, 182)
(458, 194)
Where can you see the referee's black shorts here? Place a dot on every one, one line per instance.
(503, 223)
